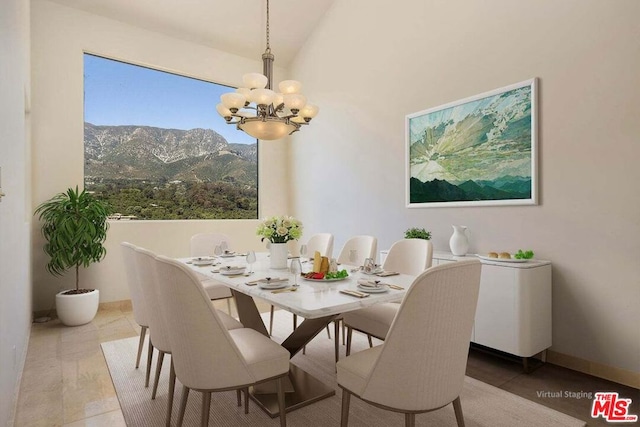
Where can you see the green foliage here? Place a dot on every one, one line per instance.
(523, 255)
(417, 233)
(336, 275)
(75, 227)
(157, 200)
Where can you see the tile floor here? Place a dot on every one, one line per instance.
(66, 381)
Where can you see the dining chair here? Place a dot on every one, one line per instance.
(320, 242)
(435, 321)
(158, 334)
(137, 300)
(354, 252)
(227, 359)
(203, 244)
(406, 256)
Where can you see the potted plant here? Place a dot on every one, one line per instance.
(278, 230)
(75, 227)
(417, 233)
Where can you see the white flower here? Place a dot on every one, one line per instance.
(282, 231)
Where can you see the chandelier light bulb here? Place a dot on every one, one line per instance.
(290, 86)
(223, 111)
(309, 111)
(278, 99)
(233, 100)
(244, 91)
(262, 96)
(255, 80)
(294, 102)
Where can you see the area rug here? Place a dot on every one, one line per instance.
(482, 404)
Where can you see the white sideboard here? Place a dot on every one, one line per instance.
(514, 305)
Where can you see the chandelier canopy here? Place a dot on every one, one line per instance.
(261, 112)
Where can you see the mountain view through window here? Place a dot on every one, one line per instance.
(155, 148)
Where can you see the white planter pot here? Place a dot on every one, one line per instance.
(278, 255)
(75, 310)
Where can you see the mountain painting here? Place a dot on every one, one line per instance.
(473, 152)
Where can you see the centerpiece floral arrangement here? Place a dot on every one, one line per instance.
(280, 229)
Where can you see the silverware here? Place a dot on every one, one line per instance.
(278, 291)
(354, 293)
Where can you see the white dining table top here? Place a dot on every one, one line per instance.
(312, 299)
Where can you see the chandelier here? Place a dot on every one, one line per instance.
(261, 112)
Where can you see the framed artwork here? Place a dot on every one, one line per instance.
(479, 151)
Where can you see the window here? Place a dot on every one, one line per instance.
(155, 148)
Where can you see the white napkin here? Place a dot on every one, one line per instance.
(375, 284)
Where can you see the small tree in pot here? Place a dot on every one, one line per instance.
(417, 233)
(75, 227)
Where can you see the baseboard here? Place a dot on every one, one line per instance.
(16, 394)
(600, 370)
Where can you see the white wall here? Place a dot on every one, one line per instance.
(15, 217)
(368, 65)
(60, 35)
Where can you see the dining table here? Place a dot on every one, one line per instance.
(317, 301)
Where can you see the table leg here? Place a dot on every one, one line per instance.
(304, 333)
(248, 312)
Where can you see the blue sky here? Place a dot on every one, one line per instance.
(116, 93)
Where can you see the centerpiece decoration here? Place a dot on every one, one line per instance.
(278, 230)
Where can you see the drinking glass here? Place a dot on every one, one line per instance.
(217, 250)
(303, 250)
(251, 258)
(295, 268)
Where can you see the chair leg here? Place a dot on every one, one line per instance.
(344, 332)
(172, 387)
(246, 400)
(206, 407)
(370, 341)
(229, 306)
(238, 396)
(349, 334)
(149, 359)
(295, 322)
(457, 408)
(336, 333)
(143, 332)
(183, 405)
(328, 332)
(344, 414)
(156, 380)
(271, 321)
(409, 420)
(281, 407)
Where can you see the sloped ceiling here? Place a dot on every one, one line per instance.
(236, 26)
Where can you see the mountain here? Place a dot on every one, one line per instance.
(149, 153)
(443, 191)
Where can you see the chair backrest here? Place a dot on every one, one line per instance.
(203, 244)
(145, 267)
(364, 247)
(423, 360)
(409, 256)
(321, 242)
(204, 354)
(137, 298)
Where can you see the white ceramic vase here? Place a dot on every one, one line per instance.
(278, 255)
(78, 309)
(459, 242)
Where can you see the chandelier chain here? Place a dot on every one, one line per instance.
(268, 46)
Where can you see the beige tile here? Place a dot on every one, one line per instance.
(109, 419)
(40, 407)
(87, 388)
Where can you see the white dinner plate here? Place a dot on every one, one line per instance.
(231, 271)
(486, 258)
(276, 285)
(202, 261)
(372, 290)
(229, 255)
(374, 272)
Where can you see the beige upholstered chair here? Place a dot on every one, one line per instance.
(203, 244)
(158, 334)
(137, 300)
(435, 321)
(407, 256)
(323, 243)
(354, 252)
(225, 360)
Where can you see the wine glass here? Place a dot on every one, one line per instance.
(251, 258)
(303, 250)
(224, 246)
(217, 251)
(295, 268)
